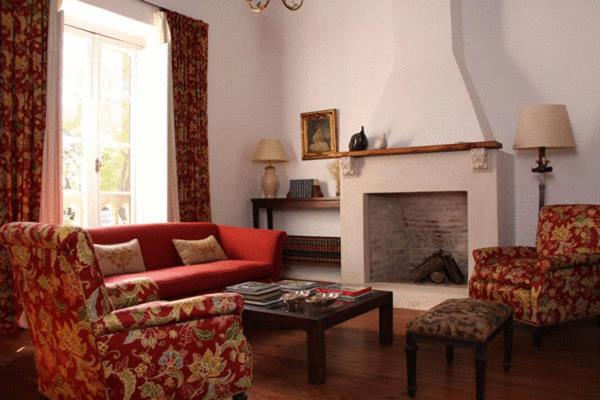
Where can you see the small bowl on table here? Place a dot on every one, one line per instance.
(321, 300)
(294, 300)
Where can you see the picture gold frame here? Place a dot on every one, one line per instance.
(319, 134)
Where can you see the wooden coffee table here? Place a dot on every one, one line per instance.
(315, 322)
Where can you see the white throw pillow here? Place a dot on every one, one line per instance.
(120, 258)
(199, 251)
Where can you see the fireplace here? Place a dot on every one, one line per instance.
(442, 175)
(404, 229)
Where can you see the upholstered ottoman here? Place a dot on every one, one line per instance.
(460, 322)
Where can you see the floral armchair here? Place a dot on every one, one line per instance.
(93, 341)
(556, 281)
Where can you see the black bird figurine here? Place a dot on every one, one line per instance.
(359, 140)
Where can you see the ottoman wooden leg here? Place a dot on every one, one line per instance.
(411, 364)
(449, 354)
(480, 366)
(508, 341)
(537, 337)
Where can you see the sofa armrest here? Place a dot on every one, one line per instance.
(568, 261)
(169, 312)
(254, 245)
(494, 255)
(130, 292)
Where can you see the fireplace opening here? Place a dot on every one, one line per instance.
(417, 237)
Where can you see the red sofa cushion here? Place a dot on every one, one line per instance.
(185, 280)
(155, 239)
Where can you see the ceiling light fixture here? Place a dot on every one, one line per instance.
(260, 5)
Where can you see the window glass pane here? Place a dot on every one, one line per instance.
(114, 120)
(76, 82)
(73, 208)
(72, 166)
(115, 72)
(114, 173)
(115, 209)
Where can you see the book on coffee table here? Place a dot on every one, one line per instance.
(253, 288)
(291, 285)
(345, 290)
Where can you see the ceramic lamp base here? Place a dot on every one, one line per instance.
(270, 183)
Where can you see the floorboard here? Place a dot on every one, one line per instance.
(567, 366)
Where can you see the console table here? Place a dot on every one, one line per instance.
(289, 204)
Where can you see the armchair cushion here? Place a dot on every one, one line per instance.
(133, 291)
(568, 261)
(495, 255)
(519, 272)
(158, 313)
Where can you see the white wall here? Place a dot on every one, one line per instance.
(265, 69)
(522, 52)
(340, 54)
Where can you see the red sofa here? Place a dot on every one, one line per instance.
(253, 254)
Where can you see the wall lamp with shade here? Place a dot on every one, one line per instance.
(270, 151)
(541, 127)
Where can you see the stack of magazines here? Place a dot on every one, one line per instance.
(290, 285)
(257, 293)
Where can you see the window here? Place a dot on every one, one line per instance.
(114, 101)
(97, 151)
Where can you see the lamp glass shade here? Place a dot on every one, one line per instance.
(270, 150)
(544, 125)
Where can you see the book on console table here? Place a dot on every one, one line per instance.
(345, 291)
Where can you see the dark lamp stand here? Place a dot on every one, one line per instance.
(543, 166)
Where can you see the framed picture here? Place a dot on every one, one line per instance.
(319, 134)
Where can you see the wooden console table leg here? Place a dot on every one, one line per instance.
(269, 218)
(255, 217)
(386, 323)
(411, 364)
(315, 336)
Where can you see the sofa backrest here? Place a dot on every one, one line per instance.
(155, 239)
(568, 229)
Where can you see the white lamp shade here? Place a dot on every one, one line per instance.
(270, 150)
(544, 125)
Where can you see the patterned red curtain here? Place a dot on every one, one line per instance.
(23, 60)
(189, 61)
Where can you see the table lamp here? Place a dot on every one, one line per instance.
(540, 127)
(270, 151)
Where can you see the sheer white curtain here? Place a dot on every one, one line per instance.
(172, 189)
(51, 196)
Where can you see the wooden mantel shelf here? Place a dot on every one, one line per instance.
(436, 148)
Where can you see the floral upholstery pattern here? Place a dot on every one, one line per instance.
(469, 320)
(568, 229)
(555, 282)
(189, 66)
(131, 292)
(23, 65)
(87, 349)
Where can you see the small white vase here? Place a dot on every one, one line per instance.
(380, 142)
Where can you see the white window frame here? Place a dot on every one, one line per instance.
(91, 138)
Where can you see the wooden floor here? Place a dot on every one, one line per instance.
(566, 367)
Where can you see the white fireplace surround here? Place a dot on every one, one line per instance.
(490, 220)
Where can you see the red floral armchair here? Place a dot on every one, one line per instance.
(93, 341)
(556, 281)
